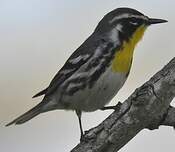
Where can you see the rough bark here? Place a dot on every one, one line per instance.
(148, 107)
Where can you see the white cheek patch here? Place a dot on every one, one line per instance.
(114, 33)
(119, 27)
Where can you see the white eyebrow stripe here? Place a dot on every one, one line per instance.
(127, 16)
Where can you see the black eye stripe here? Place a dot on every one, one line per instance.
(138, 20)
(135, 21)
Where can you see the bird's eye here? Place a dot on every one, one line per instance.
(133, 23)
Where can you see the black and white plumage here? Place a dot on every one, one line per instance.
(80, 72)
(87, 81)
(80, 75)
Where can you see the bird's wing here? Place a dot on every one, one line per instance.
(75, 61)
(81, 56)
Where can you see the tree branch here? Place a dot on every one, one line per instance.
(148, 107)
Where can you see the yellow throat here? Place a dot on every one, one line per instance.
(123, 57)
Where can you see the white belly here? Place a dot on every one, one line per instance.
(100, 94)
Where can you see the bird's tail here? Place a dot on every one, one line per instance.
(28, 115)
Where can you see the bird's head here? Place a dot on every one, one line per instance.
(127, 21)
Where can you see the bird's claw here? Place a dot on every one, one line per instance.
(83, 138)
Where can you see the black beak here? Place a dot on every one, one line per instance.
(156, 21)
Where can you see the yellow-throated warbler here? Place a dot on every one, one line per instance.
(97, 70)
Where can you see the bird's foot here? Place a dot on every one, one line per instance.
(116, 107)
(83, 137)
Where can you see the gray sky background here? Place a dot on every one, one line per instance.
(37, 37)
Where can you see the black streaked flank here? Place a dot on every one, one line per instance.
(94, 70)
(101, 69)
(106, 52)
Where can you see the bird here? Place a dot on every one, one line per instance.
(97, 69)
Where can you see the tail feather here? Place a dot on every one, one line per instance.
(28, 115)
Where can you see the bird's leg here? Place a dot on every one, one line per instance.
(116, 107)
(78, 112)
